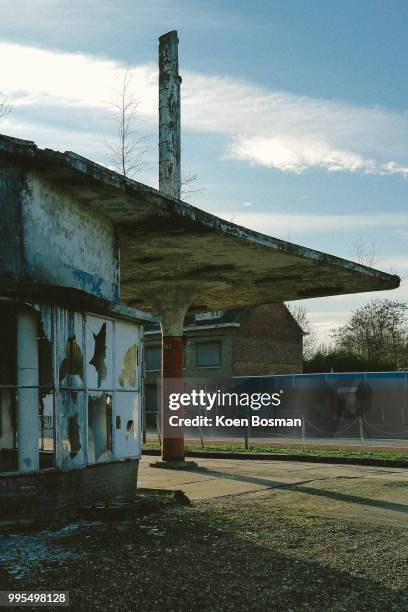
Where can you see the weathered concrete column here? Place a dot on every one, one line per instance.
(172, 380)
(172, 302)
(28, 423)
(169, 116)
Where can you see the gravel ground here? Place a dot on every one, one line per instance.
(237, 553)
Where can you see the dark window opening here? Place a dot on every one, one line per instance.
(130, 429)
(99, 357)
(151, 409)
(99, 427)
(153, 358)
(208, 354)
(72, 364)
(8, 376)
(74, 435)
(45, 375)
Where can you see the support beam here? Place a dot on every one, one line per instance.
(172, 380)
(28, 423)
(169, 116)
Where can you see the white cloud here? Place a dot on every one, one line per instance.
(297, 154)
(33, 76)
(293, 132)
(276, 129)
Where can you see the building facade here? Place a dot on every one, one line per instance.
(70, 365)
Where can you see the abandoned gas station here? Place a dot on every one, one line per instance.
(87, 257)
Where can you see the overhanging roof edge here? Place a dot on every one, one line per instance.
(104, 176)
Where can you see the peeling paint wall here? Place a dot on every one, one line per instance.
(127, 426)
(11, 181)
(67, 245)
(50, 239)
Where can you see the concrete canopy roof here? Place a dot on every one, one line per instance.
(168, 245)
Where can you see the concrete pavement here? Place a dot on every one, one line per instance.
(378, 494)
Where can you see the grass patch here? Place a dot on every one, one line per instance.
(239, 448)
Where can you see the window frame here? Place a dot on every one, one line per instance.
(206, 342)
(146, 349)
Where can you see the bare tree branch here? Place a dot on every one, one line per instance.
(299, 313)
(189, 185)
(364, 252)
(128, 150)
(5, 109)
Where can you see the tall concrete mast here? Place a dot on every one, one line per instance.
(174, 304)
(169, 115)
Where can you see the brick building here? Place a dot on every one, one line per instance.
(256, 341)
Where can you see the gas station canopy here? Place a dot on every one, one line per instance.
(166, 244)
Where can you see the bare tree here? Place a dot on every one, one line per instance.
(129, 148)
(299, 313)
(5, 109)
(364, 252)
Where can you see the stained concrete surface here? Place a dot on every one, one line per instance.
(363, 493)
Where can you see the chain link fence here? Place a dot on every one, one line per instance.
(356, 411)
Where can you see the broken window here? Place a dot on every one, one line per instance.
(151, 409)
(46, 383)
(72, 364)
(99, 349)
(99, 357)
(128, 371)
(10, 391)
(127, 341)
(127, 435)
(8, 378)
(71, 423)
(99, 427)
(69, 334)
(85, 380)
(46, 414)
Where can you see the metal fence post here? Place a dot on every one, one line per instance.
(246, 430)
(360, 420)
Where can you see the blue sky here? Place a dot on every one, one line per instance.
(294, 112)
